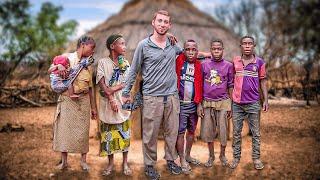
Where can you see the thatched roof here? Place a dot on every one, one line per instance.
(134, 22)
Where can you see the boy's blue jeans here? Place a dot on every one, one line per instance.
(239, 113)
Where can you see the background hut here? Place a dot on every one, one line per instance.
(134, 23)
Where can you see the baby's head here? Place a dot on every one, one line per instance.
(62, 60)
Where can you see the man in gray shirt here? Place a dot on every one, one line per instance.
(156, 57)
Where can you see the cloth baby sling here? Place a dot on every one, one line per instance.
(59, 85)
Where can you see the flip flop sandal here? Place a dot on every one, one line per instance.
(127, 171)
(106, 172)
(193, 161)
(209, 163)
(84, 166)
(234, 163)
(186, 169)
(62, 166)
(223, 160)
(258, 164)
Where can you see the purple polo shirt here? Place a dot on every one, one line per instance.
(247, 80)
(217, 78)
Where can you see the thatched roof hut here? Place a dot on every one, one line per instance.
(134, 23)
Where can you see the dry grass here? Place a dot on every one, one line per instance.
(290, 149)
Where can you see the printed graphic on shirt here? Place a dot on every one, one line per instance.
(254, 68)
(187, 83)
(214, 78)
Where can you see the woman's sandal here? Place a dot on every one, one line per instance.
(106, 172)
(127, 171)
(84, 166)
(62, 166)
(209, 163)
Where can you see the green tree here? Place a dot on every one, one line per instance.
(26, 37)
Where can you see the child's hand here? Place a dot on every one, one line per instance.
(126, 99)
(114, 105)
(63, 72)
(173, 40)
(265, 106)
(200, 111)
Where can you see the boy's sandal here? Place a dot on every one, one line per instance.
(186, 169)
(234, 163)
(223, 160)
(258, 164)
(209, 163)
(193, 161)
(127, 171)
(106, 172)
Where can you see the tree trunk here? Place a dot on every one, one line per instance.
(306, 84)
(16, 61)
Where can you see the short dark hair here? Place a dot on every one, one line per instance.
(85, 40)
(246, 36)
(190, 40)
(216, 40)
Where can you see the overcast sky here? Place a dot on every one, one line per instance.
(89, 13)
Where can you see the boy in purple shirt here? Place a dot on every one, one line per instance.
(218, 84)
(250, 73)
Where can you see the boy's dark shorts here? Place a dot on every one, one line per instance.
(188, 118)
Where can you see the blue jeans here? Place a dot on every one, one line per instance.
(239, 113)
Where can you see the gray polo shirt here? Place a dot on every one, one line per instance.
(157, 66)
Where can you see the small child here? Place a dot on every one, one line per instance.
(189, 76)
(60, 84)
(218, 78)
(115, 125)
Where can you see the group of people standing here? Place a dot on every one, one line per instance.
(177, 88)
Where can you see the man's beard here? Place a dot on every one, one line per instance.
(160, 32)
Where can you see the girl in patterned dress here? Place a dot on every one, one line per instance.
(115, 124)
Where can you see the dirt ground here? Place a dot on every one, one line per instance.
(290, 149)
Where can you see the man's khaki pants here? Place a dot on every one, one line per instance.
(159, 110)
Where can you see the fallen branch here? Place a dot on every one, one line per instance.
(29, 101)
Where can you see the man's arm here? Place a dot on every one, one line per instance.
(134, 69)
